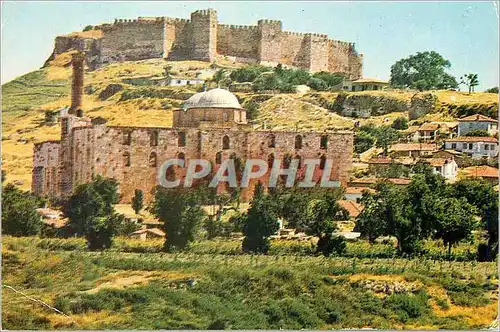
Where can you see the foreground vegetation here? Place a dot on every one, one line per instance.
(196, 290)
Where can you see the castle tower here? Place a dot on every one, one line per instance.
(204, 34)
(269, 41)
(316, 52)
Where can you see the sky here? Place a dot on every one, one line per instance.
(465, 33)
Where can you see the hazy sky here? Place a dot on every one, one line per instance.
(466, 33)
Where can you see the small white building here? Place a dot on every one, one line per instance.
(477, 122)
(447, 168)
(477, 147)
(177, 81)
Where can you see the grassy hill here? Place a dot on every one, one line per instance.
(207, 288)
(26, 99)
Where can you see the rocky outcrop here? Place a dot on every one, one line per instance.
(421, 104)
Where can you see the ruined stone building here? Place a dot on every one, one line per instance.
(202, 37)
(212, 126)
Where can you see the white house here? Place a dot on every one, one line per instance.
(477, 147)
(364, 84)
(477, 122)
(447, 168)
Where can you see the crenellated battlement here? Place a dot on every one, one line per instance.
(201, 37)
(204, 12)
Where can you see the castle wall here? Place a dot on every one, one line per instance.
(270, 41)
(128, 40)
(238, 41)
(294, 49)
(202, 38)
(178, 36)
(338, 56)
(204, 35)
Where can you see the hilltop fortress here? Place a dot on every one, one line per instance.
(202, 38)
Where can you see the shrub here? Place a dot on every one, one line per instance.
(317, 84)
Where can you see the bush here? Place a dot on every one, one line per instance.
(408, 305)
(317, 84)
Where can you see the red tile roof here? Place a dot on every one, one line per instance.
(413, 147)
(352, 207)
(375, 180)
(482, 171)
(472, 139)
(358, 190)
(477, 117)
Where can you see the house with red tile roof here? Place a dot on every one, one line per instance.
(477, 122)
(477, 147)
(485, 172)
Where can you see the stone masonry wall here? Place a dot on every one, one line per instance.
(238, 41)
(45, 168)
(133, 40)
(202, 38)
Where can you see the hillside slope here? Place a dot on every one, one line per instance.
(27, 99)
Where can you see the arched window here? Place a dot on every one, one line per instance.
(272, 141)
(218, 158)
(126, 159)
(298, 142)
(127, 138)
(153, 139)
(324, 142)
(270, 160)
(224, 116)
(181, 140)
(225, 143)
(322, 162)
(181, 156)
(152, 159)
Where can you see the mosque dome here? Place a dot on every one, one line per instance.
(215, 98)
(193, 100)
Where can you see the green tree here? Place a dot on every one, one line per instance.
(138, 201)
(321, 217)
(400, 123)
(363, 141)
(470, 80)
(422, 71)
(371, 222)
(331, 79)
(19, 215)
(455, 221)
(492, 90)
(385, 136)
(91, 213)
(260, 222)
(317, 84)
(180, 211)
(483, 196)
(478, 133)
(219, 75)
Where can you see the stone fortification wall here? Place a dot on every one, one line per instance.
(202, 38)
(141, 38)
(45, 175)
(238, 41)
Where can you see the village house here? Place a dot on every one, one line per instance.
(477, 147)
(430, 131)
(412, 150)
(477, 122)
(148, 233)
(487, 173)
(447, 168)
(355, 194)
(365, 84)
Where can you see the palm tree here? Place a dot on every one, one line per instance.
(471, 80)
